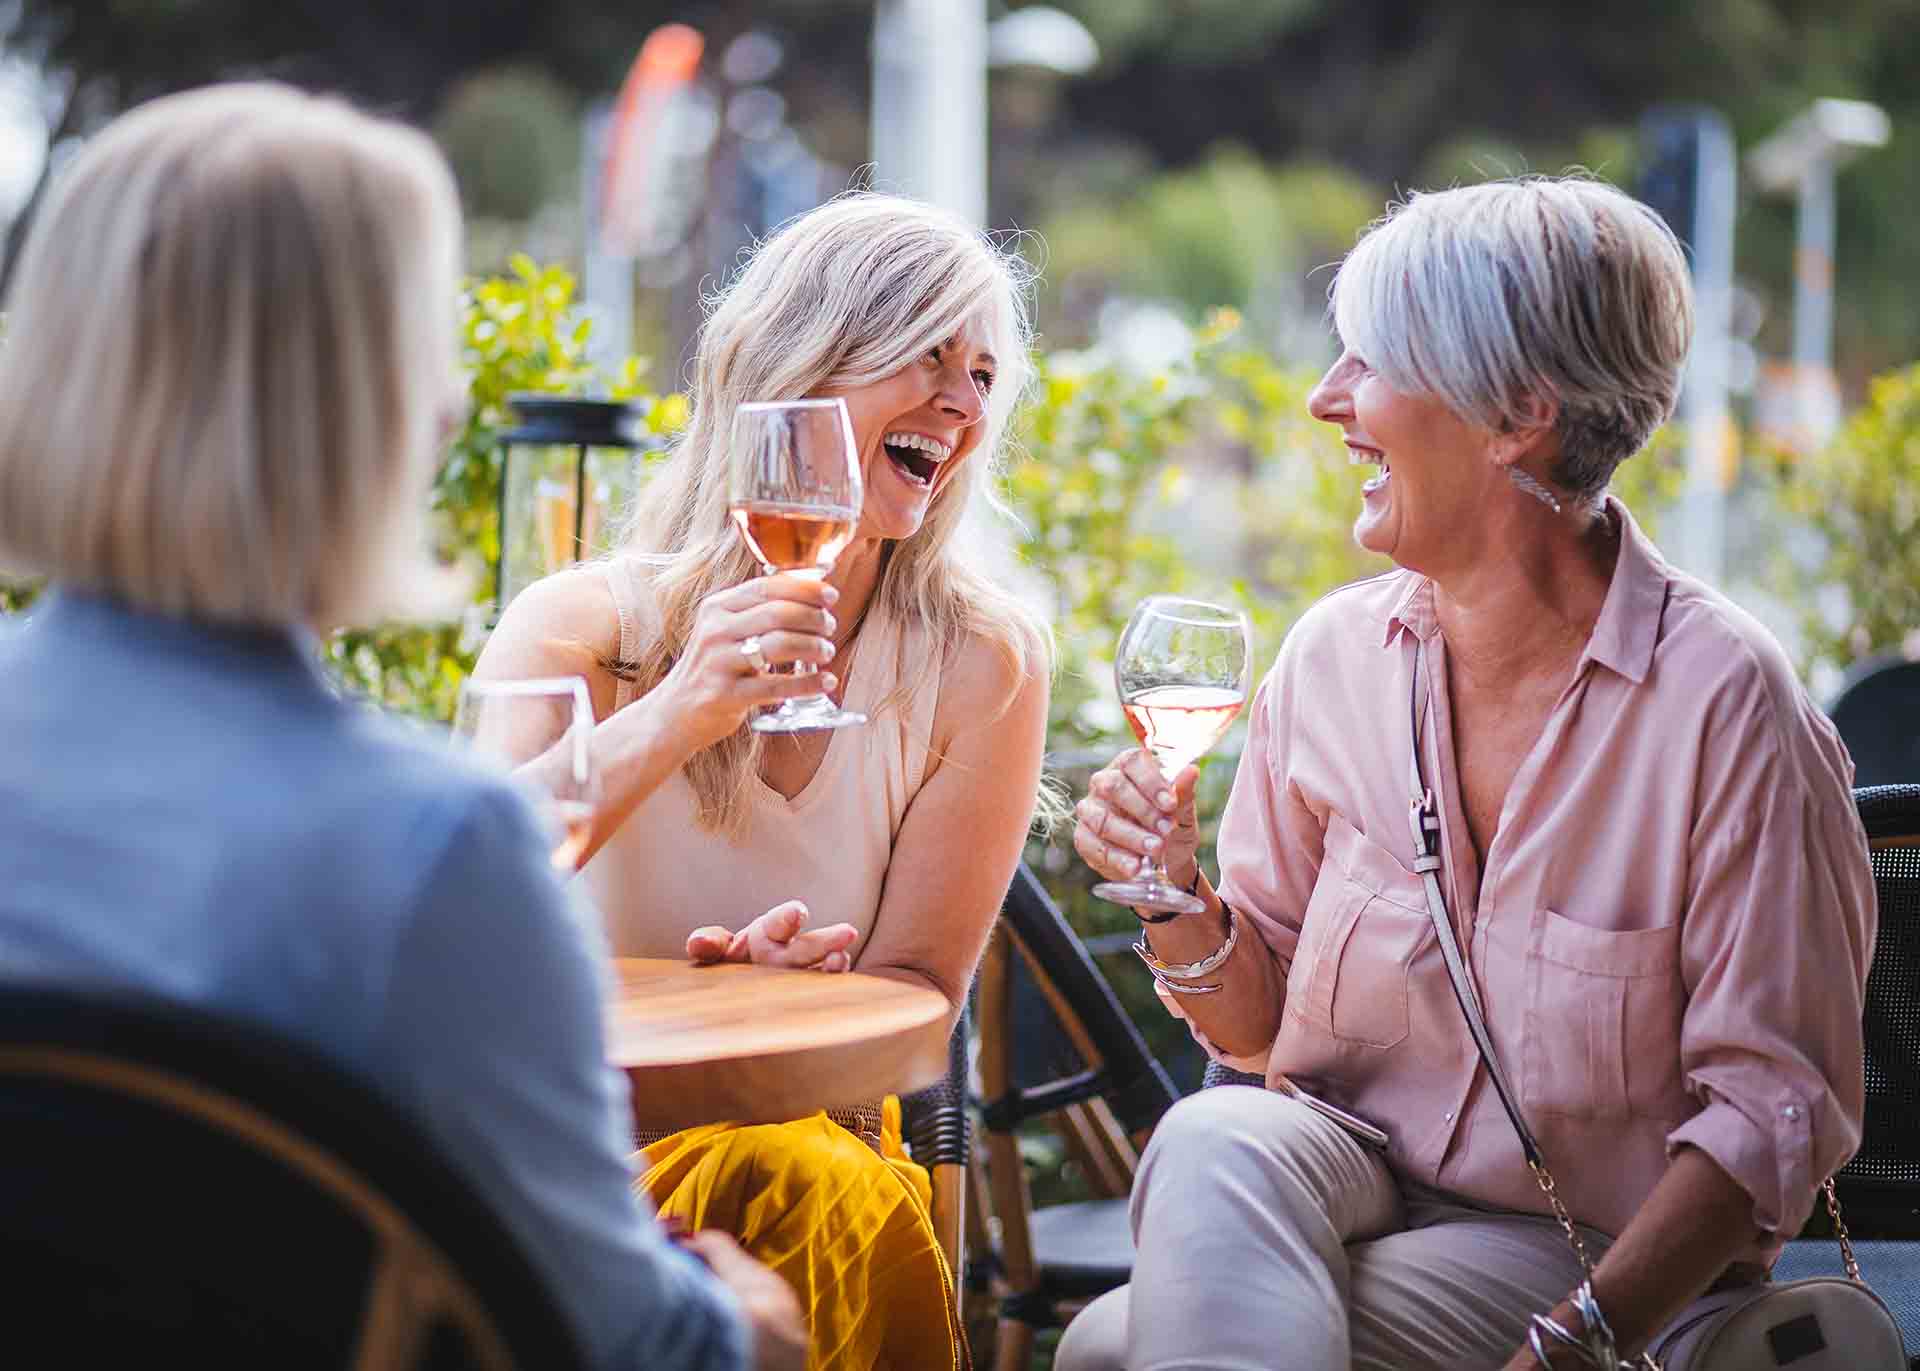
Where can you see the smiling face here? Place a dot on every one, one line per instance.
(1434, 472)
(916, 427)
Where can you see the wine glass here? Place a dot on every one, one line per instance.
(1181, 669)
(794, 492)
(542, 730)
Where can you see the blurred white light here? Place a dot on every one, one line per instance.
(23, 136)
(756, 113)
(1828, 129)
(1042, 36)
(751, 58)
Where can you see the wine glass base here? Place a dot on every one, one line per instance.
(1152, 895)
(806, 716)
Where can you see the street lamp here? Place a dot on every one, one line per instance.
(929, 115)
(1803, 157)
(564, 470)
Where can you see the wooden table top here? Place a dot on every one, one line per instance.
(758, 1044)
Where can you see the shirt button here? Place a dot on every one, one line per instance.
(1792, 1111)
(1448, 1116)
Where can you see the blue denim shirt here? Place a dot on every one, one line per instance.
(189, 811)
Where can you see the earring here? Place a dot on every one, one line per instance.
(1534, 488)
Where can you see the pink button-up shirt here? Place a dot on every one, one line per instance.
(1671, 936)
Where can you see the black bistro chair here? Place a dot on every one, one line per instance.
(179, 1188)
(935, 1123)
(1056, 1043)
(1879, 1189)
(1878, 715)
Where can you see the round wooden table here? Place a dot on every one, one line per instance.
(735, 1043)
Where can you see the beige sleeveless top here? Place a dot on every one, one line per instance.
(662, 875)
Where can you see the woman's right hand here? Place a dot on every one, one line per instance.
(715, 685)
(772, 1312)
(779, 937)
(1131, 813)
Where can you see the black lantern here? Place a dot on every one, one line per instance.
(564, 470)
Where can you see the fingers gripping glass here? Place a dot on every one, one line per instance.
(794, 491)
(542, 731)
(1181, 669)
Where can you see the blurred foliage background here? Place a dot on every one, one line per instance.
(1280, 102)
(1183, 202)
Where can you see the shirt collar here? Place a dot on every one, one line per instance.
(1628, 629)
(294, 650)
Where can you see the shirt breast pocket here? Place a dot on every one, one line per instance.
(1603, 1016)
(1364, 924)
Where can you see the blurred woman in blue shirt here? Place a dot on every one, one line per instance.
(228, 373)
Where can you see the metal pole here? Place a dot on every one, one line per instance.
(579, 500)
(606, 286)
(1814, 388)
(1703, 523)
(929, 118)
(1813, 269)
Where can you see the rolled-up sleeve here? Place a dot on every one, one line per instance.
(1776, 941)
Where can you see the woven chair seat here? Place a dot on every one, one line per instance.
(863, 1121)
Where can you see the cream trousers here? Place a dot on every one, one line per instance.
(1267, 1239)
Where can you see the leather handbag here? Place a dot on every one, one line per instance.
(1823, 1323)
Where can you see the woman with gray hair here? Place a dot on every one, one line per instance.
(1630, 831)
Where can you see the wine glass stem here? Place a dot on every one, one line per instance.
(799, 668)
(1153, 872)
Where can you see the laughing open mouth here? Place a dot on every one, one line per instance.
(1369, 457)
(916, 456)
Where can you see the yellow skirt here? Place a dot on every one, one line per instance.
(849, 1227)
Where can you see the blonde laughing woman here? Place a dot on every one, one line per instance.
(885, 847)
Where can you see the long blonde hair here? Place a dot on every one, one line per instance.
(841, 297)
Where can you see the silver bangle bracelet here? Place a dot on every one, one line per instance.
(1601, 1346)
(1177, 987)
(1551, 1327)
(1188, 971)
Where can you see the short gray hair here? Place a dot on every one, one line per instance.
(229, 345)
(1495, 297)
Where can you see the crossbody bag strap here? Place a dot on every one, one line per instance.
(1425, 818)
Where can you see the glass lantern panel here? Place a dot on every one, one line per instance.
(537, 537)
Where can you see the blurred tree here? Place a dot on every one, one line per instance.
(1391, 90)
(1229, 231)
(512, 134)
(1861, 499)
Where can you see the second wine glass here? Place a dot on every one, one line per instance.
(542, 731)
(1181, 669)
(794, 492)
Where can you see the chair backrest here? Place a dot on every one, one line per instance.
(175, 1182)
(1880, 1187)
(935, 1122)
(1878, 715)
(1074, 1040)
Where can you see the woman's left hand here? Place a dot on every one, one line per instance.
(776, 939)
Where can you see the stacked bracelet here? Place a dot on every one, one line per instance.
(1179, 977)
(1596, 1344)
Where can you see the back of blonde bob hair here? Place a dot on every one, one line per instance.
(844, 296)
(228, 347)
